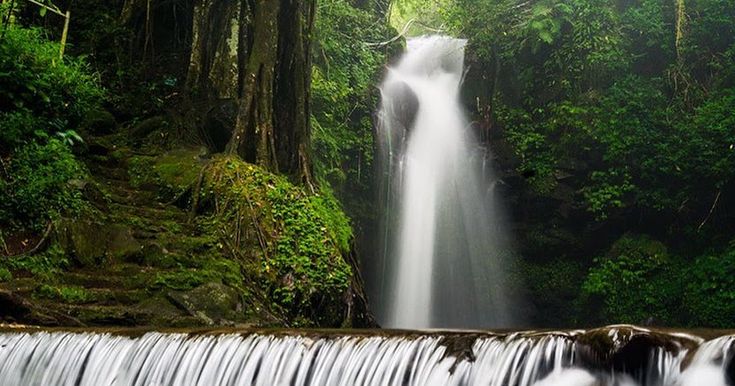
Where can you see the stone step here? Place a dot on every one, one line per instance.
(157, 213)
(105, 315)
(125, 196)
(20, 286)
(154, 311)
(110, 173)
(130, 277)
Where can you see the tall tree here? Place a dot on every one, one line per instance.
(256, 52)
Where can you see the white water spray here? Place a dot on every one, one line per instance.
(444, 263)
(333, 359)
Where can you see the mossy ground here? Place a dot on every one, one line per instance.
(181, 240)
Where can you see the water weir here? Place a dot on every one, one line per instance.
(445, 252)
(620, 355)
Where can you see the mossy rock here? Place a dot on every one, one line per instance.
(163, 313)
(66, 294)
(179, 169)
(292, 242)
(99, 122)
(172, 174)
(155, 255)
(90, 243)
(148, 126)
(121, 244)
(214, 303)
(83, 240)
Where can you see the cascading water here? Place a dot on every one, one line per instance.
(445, 258)
(30, 358)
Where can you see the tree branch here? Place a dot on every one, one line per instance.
(711, 210)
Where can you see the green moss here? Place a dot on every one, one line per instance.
(140, 170)
(67, 294)
(177, 170)
(172, 173)
(184, 279)
(219, 271)
(294, 241)
(5, 274)
(46, 265)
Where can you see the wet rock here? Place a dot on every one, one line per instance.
(405, 103)
(213, 303)
(626, 349)
(14, 307)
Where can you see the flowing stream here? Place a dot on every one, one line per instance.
(445, 262)
(616, 357)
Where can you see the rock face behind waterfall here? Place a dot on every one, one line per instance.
(620, 355)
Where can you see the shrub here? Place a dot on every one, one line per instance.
(37, 185)
(38, 91)
(710, 292)
(635, 281)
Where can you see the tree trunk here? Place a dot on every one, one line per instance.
(680, 26)
(256, 52)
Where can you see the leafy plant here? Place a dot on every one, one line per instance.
(636, 281)
(40, 93)
(38, 187)
(710, 293)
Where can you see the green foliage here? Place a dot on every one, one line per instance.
(636, 281)
(420, 17)
(301, 237)
(40, 93)
(37, 185)
(5, 275)
(594, 90)
(344, 97)
(45, 265)
(42, 100)
(553, 286)
(710, 293)
(67, 294)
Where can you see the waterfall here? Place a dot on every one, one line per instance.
(364, 358)
(444, 262)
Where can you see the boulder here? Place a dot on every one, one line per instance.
(121, 245)
(90, 243)
(214, 303)
(148, 126)
(83, 240)
(99, 122)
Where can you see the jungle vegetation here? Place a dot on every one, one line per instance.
(190, 131)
